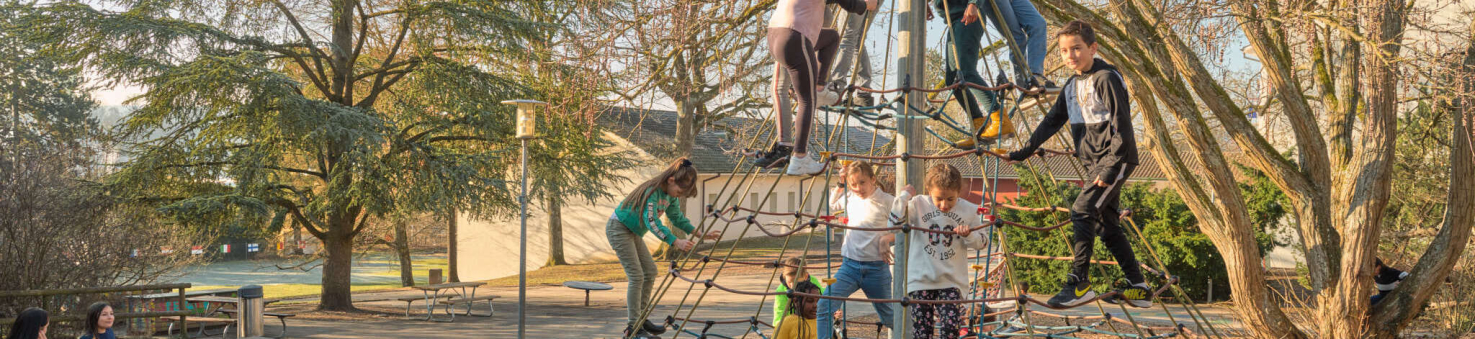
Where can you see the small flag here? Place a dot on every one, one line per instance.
(135, 253)
(225, 248)
(165, 250)
(279, 246)
(1253, 114)
(253, 248)
(197, 250)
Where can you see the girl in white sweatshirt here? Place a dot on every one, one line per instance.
(937, 263)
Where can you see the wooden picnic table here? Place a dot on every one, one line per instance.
(435, 292)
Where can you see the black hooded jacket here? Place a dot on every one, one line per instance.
(1100, 115)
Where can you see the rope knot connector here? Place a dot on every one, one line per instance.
(905, 156)
(752, 219)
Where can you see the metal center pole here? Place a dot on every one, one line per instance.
(911, 57)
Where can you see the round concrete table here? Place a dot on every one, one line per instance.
(588, 286)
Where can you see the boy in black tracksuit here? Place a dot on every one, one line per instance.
(1095, 103)
(1386, 280)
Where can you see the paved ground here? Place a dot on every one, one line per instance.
(558, 312)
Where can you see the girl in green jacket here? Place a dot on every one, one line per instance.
(640, 213)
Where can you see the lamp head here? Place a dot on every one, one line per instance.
(526, 116)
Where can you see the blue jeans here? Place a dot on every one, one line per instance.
(1024, 23)
(873, 277)
(966, 43)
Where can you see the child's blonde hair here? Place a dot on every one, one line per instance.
(794, 267)
(860, 168)
(944, 176)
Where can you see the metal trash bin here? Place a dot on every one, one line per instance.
(248, 320)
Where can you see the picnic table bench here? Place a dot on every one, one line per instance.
(216, 305)
(433, 295)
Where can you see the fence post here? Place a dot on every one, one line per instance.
(183, 324)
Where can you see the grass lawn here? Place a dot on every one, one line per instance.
(279, 291)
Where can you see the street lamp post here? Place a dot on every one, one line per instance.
(526, 120)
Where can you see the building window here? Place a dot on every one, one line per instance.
(753, 201)
(792, 202)
(772, 202)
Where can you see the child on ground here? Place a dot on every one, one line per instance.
(1386, 279)
(864, 254)
(962, 61)
(802, 49)
(937, 263)
(99, 322)
(29, 324)
(1095, 103)
(640, 213)
(799, 323)
(794, 272)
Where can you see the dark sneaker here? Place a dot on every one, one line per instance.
(775, 156)
(1135, 295)
(652, 327)
(1040, 82)
(1072, 293)
(641, 334)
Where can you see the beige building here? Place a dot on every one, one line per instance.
(488, 249)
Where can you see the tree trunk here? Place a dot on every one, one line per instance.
(338, 268)
(402, 247)
(1368, 176)
(555, 233)
(451, 275)
(1400, 307)
(296, 237)
(685, 127)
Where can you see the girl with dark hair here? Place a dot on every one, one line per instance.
(99, 322)
(640, 213)
(31, 324)
(799, 324)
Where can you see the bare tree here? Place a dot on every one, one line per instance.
(1343, 114)
(705, 56)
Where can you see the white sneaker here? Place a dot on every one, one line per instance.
(803, 166)
(826, 97)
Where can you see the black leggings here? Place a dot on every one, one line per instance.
(808, 66)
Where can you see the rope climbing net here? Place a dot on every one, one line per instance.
(995, 300)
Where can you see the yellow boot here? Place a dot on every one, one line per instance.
(968, 143)
(1000, 128)
(1000, 125)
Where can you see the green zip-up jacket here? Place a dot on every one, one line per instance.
(647, 217)
(781, 301)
